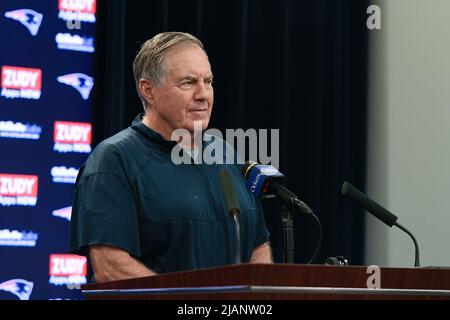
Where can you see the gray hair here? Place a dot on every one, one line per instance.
(149, 62)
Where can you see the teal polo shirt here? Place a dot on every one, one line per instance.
(129, 194)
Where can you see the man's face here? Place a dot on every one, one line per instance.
(186, 95)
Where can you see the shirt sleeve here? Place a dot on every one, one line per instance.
(104, 211)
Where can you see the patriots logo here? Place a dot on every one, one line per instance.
(29, 18)
(19, 287)
(79, 81)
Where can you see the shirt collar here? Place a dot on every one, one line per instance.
(154, 136)
(151, 134)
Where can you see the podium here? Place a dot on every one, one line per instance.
(279, 282)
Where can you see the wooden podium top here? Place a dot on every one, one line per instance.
(280, 281)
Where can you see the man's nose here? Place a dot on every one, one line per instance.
(201, 91)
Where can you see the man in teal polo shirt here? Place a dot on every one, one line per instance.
(136, 213)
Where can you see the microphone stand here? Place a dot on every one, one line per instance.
(288, 235)
(379, 212)
(416, 245)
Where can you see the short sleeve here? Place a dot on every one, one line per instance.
(104, 210)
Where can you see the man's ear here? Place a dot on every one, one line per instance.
(146, 90)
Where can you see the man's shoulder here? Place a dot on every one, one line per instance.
(122, 143)
(111, 154)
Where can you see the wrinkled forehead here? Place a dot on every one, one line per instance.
(187, 58)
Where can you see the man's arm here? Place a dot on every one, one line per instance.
(112, 263)
(262, 254)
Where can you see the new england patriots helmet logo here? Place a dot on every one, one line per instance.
(29, 18)
(19, 287)
(81, 82)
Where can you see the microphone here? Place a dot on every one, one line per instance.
(264, 181)
(233, 206)
(379, 212)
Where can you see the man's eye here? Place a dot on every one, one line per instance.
(186, 85)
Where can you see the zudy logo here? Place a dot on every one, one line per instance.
(18, 190)
(72, 137)
(20, 82)
(77, 10)
(68, 269)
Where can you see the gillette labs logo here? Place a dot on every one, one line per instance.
(29, 18)
(67, 269)
(19, 82)
(18, 190)
(74, 42)
(79, 10)
(18, 130)
(79, 81)
(65, 213)
(72, 137)
(14, 238)
(64, 175)
(18, 287)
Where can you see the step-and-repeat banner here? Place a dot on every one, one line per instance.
(46, 62)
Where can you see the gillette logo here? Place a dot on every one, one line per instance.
(18, 82)
(74, 42)
(64, 213)
(18, 190)
(67, 269)
(79, 10)
(79, 81)
(14, 238)
(29, 18)
(18, 130)
(64, 175)
(72, 137)
(18, 287)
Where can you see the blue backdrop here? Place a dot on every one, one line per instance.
(46, 62)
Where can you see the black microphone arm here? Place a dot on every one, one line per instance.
(379, 212)
(290, 199)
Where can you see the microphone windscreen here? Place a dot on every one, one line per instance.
(368, 204)
(229, 193)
